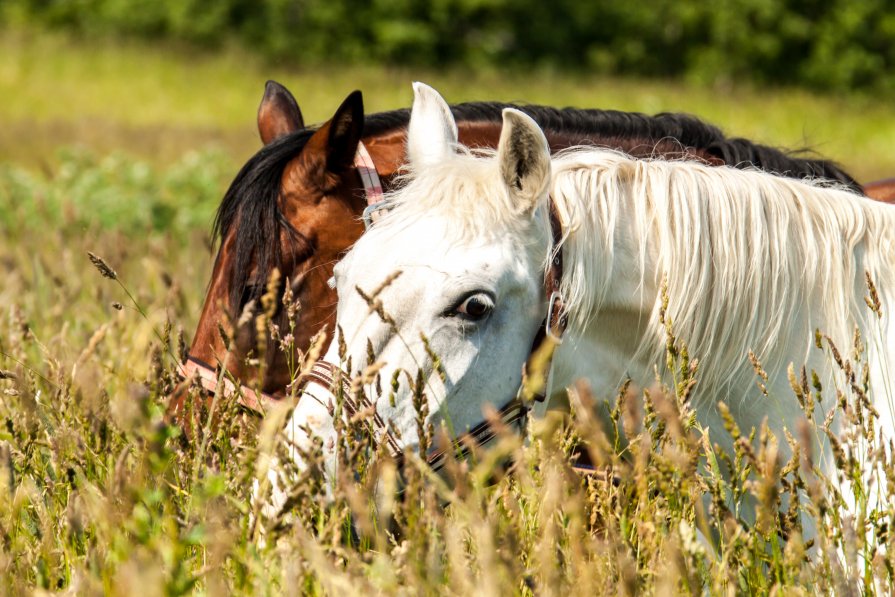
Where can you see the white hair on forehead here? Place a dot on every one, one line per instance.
(476, 202)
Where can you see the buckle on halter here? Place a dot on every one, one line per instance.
(555, 298)
(372, 209)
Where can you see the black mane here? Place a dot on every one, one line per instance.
(252, 198)
(252, 202)
(686, 129)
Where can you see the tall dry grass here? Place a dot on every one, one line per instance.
(98, 493)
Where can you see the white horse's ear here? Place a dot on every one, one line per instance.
(432, 132)
(524, 158)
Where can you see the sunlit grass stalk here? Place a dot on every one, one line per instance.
(107, 272)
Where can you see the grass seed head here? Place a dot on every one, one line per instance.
(103, 267)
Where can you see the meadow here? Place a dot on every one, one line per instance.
(124, 150)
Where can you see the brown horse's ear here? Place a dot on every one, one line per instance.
(344, 133)
(278, 114)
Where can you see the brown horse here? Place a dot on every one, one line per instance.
(295, 206)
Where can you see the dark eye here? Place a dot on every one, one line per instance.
(475, 307)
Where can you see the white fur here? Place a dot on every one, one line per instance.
(752, 261)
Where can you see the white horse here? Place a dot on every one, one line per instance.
(753, 262)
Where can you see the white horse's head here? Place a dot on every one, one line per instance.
(448, 287)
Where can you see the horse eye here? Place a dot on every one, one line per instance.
(475, 307)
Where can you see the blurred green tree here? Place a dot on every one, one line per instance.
(823, 44)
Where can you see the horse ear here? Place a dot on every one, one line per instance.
(278, 114)
(524, 158)
(344, 132)
(432, 131)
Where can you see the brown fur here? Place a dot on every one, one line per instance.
(881, 190)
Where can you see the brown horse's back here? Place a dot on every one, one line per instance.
(881, 190)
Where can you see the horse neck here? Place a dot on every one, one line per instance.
(487, 134)
(610, 286)
(881, 190)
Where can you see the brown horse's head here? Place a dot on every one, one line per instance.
(292, 208)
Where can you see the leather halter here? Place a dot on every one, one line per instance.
(257, 401)
(368, 175)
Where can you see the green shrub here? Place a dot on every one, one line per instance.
(113, 192)
(836, 45)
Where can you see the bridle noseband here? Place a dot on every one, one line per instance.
(331, 377)
(255, 401)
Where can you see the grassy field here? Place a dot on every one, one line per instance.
(124, 150)
(158, 103)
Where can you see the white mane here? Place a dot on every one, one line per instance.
(752, 261)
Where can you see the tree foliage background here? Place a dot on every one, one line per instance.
(821, 44)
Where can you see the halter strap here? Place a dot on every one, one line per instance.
(549, 335)
(255, 401)
(365, 167)
(331, 377)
